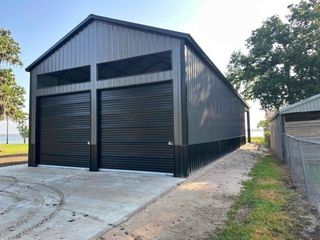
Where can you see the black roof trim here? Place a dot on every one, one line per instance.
(189, 40)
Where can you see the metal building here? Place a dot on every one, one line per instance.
(119, 95)
(301, 120)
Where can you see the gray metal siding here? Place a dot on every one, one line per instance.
(276, 137)
(214, 112)
(99, 42)
(308, 129)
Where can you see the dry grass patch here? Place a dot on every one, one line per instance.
(262, 234)
(268, 181)
(273, 196)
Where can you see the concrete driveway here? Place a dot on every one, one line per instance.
(57, 203)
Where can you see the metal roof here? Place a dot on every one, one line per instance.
(310, 104)
(307, 105)
(187, 37)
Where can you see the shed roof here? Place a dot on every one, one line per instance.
(310, 104)
(307, 105)
(186, 37)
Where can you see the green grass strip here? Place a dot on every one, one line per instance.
(262, 210)
(6, 149)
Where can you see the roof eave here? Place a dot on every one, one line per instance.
(285, 110)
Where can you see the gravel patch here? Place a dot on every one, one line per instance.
(196, 207)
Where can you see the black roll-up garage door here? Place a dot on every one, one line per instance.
(136, 124)
(64, 130)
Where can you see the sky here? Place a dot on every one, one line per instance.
(219, 27)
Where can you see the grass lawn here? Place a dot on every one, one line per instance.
(267, 207)
(258, 140)
(6, 149)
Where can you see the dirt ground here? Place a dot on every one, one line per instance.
(7, 161)
(195, 208)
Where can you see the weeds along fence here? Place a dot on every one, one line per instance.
(303, 159)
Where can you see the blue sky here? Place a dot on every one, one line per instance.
(220, 27)
(37, 25)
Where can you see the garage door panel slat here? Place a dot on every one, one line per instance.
(61, 160)
(134, 120)
(136, 93)
(141, 164)
(65, 130)
(64, 135)
(131, 105)
(131, 150)
(134, 135)
(65, 99)
(143, 123)
(65, 148)
(136, 124)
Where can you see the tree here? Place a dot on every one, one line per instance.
(9, 49)
(11, 98)
(22, 127)
(11, 95)
(282, 58)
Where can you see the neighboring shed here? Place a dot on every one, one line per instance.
(119, 95)
(301, 119)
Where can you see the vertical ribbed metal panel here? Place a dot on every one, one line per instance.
(118, 42)
(202, 154)
(78, 51)
(136, 124)
(64, 130)
(214, 112)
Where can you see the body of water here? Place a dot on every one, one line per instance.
(13, 138)
(257, 133)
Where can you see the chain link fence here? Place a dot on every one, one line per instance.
(303, 159)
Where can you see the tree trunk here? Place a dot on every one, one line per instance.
(24, 140)
(7, 137)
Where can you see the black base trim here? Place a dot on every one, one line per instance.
(93, 160)
(32, 155)
(180, 161)
(192, 157)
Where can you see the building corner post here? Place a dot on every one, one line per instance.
(181, 162)
(94, 106)
(32, 139)
(248, 126)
